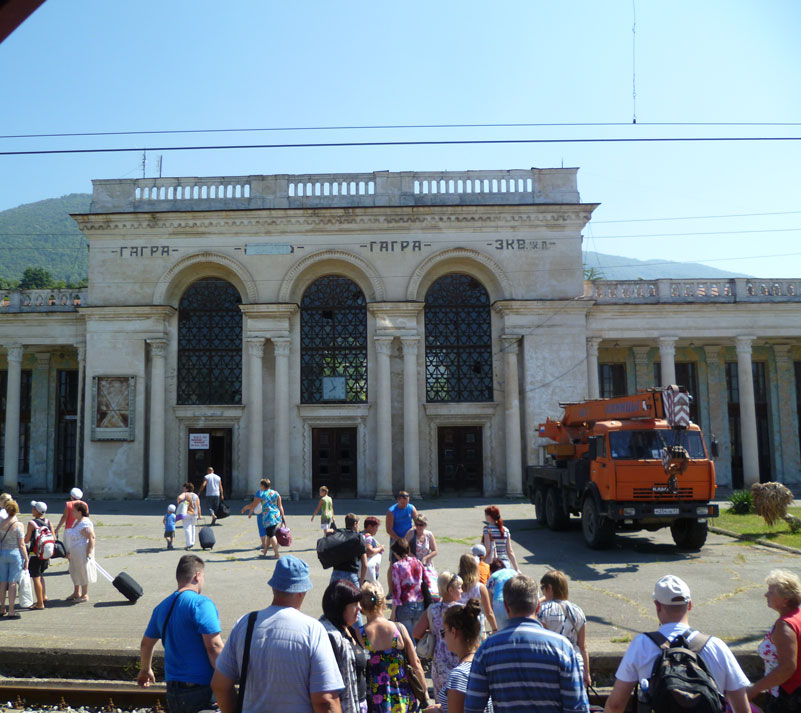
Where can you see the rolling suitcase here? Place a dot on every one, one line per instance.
(124, 583)
(206, 537)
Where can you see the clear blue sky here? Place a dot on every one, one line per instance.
(100, 65)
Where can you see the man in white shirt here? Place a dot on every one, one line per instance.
(673, 604)
(214, 492)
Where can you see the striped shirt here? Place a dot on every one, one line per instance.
(526, 668)
(498, 541)
(457, 681)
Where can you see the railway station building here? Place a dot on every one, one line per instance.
(370, 332)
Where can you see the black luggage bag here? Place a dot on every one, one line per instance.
(338, 547)
(206, 537)
(124, 583)
(223, 510)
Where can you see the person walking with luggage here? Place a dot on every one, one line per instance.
(290, 663)
(255, 507)
(212, 484)
(398, 522)
(189, 628)
(189, 507)
(81, 544)
(354, 568)
(67, 517)
(38, 529)
(673, 603)
(169, 526)
(326, 509)
(13, 558)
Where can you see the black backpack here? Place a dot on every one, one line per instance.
(680, 680)
(339, 547)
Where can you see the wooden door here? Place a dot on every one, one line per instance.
(334, 460)
(461, 460)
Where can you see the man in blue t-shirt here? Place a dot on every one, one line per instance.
(398, 522)
(189, 627)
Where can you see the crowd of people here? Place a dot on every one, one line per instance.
(492, 638)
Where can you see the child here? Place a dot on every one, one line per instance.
(327, 505)
(374, 550)
(169, 526)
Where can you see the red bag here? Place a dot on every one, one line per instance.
(284, 536)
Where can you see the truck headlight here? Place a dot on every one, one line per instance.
(629, 512)
(702, 511)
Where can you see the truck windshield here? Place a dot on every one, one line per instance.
(638, 445)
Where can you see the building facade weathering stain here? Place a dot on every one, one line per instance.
(370, 332)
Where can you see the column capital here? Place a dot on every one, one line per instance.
(667, 343)
(511, 343)
(743, 344)
(80, 348)
(281, 346)
(383, 345)
(593, 343)
(158, 348)
(42, 360)
(256, 346)
(782, 352)
(410, 345)
(14, 353)
(712, 352)
(641, 354)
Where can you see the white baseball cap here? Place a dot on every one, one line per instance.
(671, 590)
(39, 506)
(171, 508)
(76, 493)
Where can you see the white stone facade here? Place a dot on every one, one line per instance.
(518, 233)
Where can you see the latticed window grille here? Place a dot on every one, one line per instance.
(333, 340)
(458, 340)
(210, 344)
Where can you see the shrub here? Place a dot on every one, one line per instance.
(741, 502)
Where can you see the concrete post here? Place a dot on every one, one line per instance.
(594, 389)
(157, 426)
(281, 465)
(411, 418)
(514, 463)
(383, 402)
(255, 413)
(748, 425)
(667, 355)
(13, 384)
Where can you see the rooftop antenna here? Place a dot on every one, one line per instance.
(160, 160)
(144, 163)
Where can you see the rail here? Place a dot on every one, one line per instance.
(58, 300)
(332, 190)
(739, 289)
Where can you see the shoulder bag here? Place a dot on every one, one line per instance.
(243, 674)
(418, 685)
(425, 647)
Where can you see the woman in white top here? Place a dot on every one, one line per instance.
(497, 539)
(565, 618)
(191, 515)
(423, 545)
(81, 538)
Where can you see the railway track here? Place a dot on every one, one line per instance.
(109, 695)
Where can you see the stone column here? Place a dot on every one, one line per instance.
(255, 412)
(642, 378)
(41, 441)
(281, 446)
(157, 425)
(411, 418)
(80, 348)
(383, 402)
(788, 414)
(11, 457)
(748, 426)
(667, 355)
(593, 390)
(514, 463)
(718, 410)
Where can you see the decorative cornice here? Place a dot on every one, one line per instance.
(333, 256)
(453, 254)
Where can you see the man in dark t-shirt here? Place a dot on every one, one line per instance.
(354, 569)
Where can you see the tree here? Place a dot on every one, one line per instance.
(35, 278)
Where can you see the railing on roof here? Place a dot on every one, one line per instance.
(739, 289)
(58, 300)
(332, 190)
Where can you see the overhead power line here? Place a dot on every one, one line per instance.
(451, 142)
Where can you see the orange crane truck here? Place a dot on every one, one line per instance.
(626, 464)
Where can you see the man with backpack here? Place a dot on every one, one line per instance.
(41, 544)
(678, 668)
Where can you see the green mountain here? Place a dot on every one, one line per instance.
(42, 234)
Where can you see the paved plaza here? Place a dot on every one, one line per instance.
(613, 587)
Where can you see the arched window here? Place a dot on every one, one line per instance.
(333, 342)
(458, 340)
(210, 344)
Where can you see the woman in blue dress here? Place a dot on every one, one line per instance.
(266, 504)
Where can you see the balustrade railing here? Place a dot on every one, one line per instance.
(59, 300)
(739, 289)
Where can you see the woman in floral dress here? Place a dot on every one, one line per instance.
(443, 661)
(390, 651)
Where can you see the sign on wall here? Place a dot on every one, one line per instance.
(198, 441)
(113, 408)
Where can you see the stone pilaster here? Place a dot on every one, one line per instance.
(748, 425)
(281, 346)
(157, 425)
(643, 378)
(14, 382)
(788, 414)
(667, 355)
(41, 442)
(255, 412)
(593, 387)
(411, 418)
(514, 463)
(383, 402)
(80, 349)
(718, 408)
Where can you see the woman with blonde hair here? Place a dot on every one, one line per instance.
(13, 558)
(557, 614)
(449, 586)
(473, 589)
(779, 649)
(392, 654)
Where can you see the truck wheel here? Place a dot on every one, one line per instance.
(539, 507)
(598, 531)
(689, 534)
(554, 512)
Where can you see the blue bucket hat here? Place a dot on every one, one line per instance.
(291, 575)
